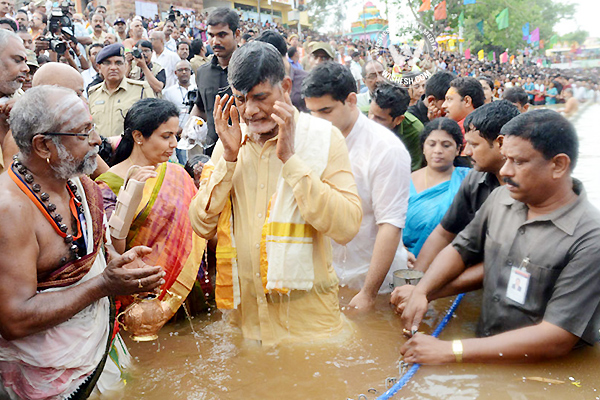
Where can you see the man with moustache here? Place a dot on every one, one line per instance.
(483, 145)
(56, 318)
(539, 229)
(110, 100)
(211, 78)
(170, 43)
(277, 189)
(98, 34)
(13, 73)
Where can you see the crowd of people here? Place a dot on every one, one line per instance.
(207, 156)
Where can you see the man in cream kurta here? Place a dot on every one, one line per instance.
(329, 202)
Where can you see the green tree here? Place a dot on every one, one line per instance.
(578, 36)
(539, 13)
(321, 11)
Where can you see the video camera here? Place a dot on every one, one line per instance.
(136, 52)
(60, 24)
(191, 99)
(172, 17)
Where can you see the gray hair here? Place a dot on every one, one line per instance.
(5, 35)
(254, 63)
(38, 112)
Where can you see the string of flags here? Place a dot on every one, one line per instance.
(502, 20)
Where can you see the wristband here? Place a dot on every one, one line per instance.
(457, 349)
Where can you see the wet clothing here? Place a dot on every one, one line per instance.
(59, 361)
(162, 223)
(426, 209)
(563, 251)
(381, 167)
(471, 195)
(329, 203)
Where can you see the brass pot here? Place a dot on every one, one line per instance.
(146, 315)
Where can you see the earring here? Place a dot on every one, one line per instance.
(48, 160)
(140, 143)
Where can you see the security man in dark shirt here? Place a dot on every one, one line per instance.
(539, 230)
(211, 78)
(484, 142)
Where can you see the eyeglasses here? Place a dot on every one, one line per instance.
(86, 134)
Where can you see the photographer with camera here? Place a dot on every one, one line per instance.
(60, 41)
(164, 57)
(142, 68)
(180, 94)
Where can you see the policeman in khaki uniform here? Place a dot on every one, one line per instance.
(110, 100)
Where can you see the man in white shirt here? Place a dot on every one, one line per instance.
(170, 43)
(166, 58)
(178, 94)
(90, 74)
(381, 167)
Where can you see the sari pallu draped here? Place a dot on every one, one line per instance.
(162, 223)
(427, 208)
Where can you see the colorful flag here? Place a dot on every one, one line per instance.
(425, 6)
(502, 19)
(491, 56)
(468, 54)
(469, 2)
(480, 55)
(504, 57)
(461, 19)
(480, 27)
(512, 59)
(542, 44)
(553, 40)
(440, 11)
(535, 35)
(525, 30)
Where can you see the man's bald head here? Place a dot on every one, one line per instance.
(59, 74)
(183, 71)
(157, 38)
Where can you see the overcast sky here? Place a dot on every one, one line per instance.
(586, 15)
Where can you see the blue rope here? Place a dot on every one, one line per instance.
(410, 373)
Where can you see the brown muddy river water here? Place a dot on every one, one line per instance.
(207, 359)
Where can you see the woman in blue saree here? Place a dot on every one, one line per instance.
(433, 187)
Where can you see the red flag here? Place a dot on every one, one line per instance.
(425, 6)
(468, 54)
(440, 11)
(504, 57)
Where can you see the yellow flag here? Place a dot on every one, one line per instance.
(480, 55)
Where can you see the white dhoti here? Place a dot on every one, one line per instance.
(54, 363)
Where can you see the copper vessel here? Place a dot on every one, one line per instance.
(146, 315)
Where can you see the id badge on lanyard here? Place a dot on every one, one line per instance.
(518, 282)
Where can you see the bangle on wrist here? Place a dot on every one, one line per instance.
(457, 349)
